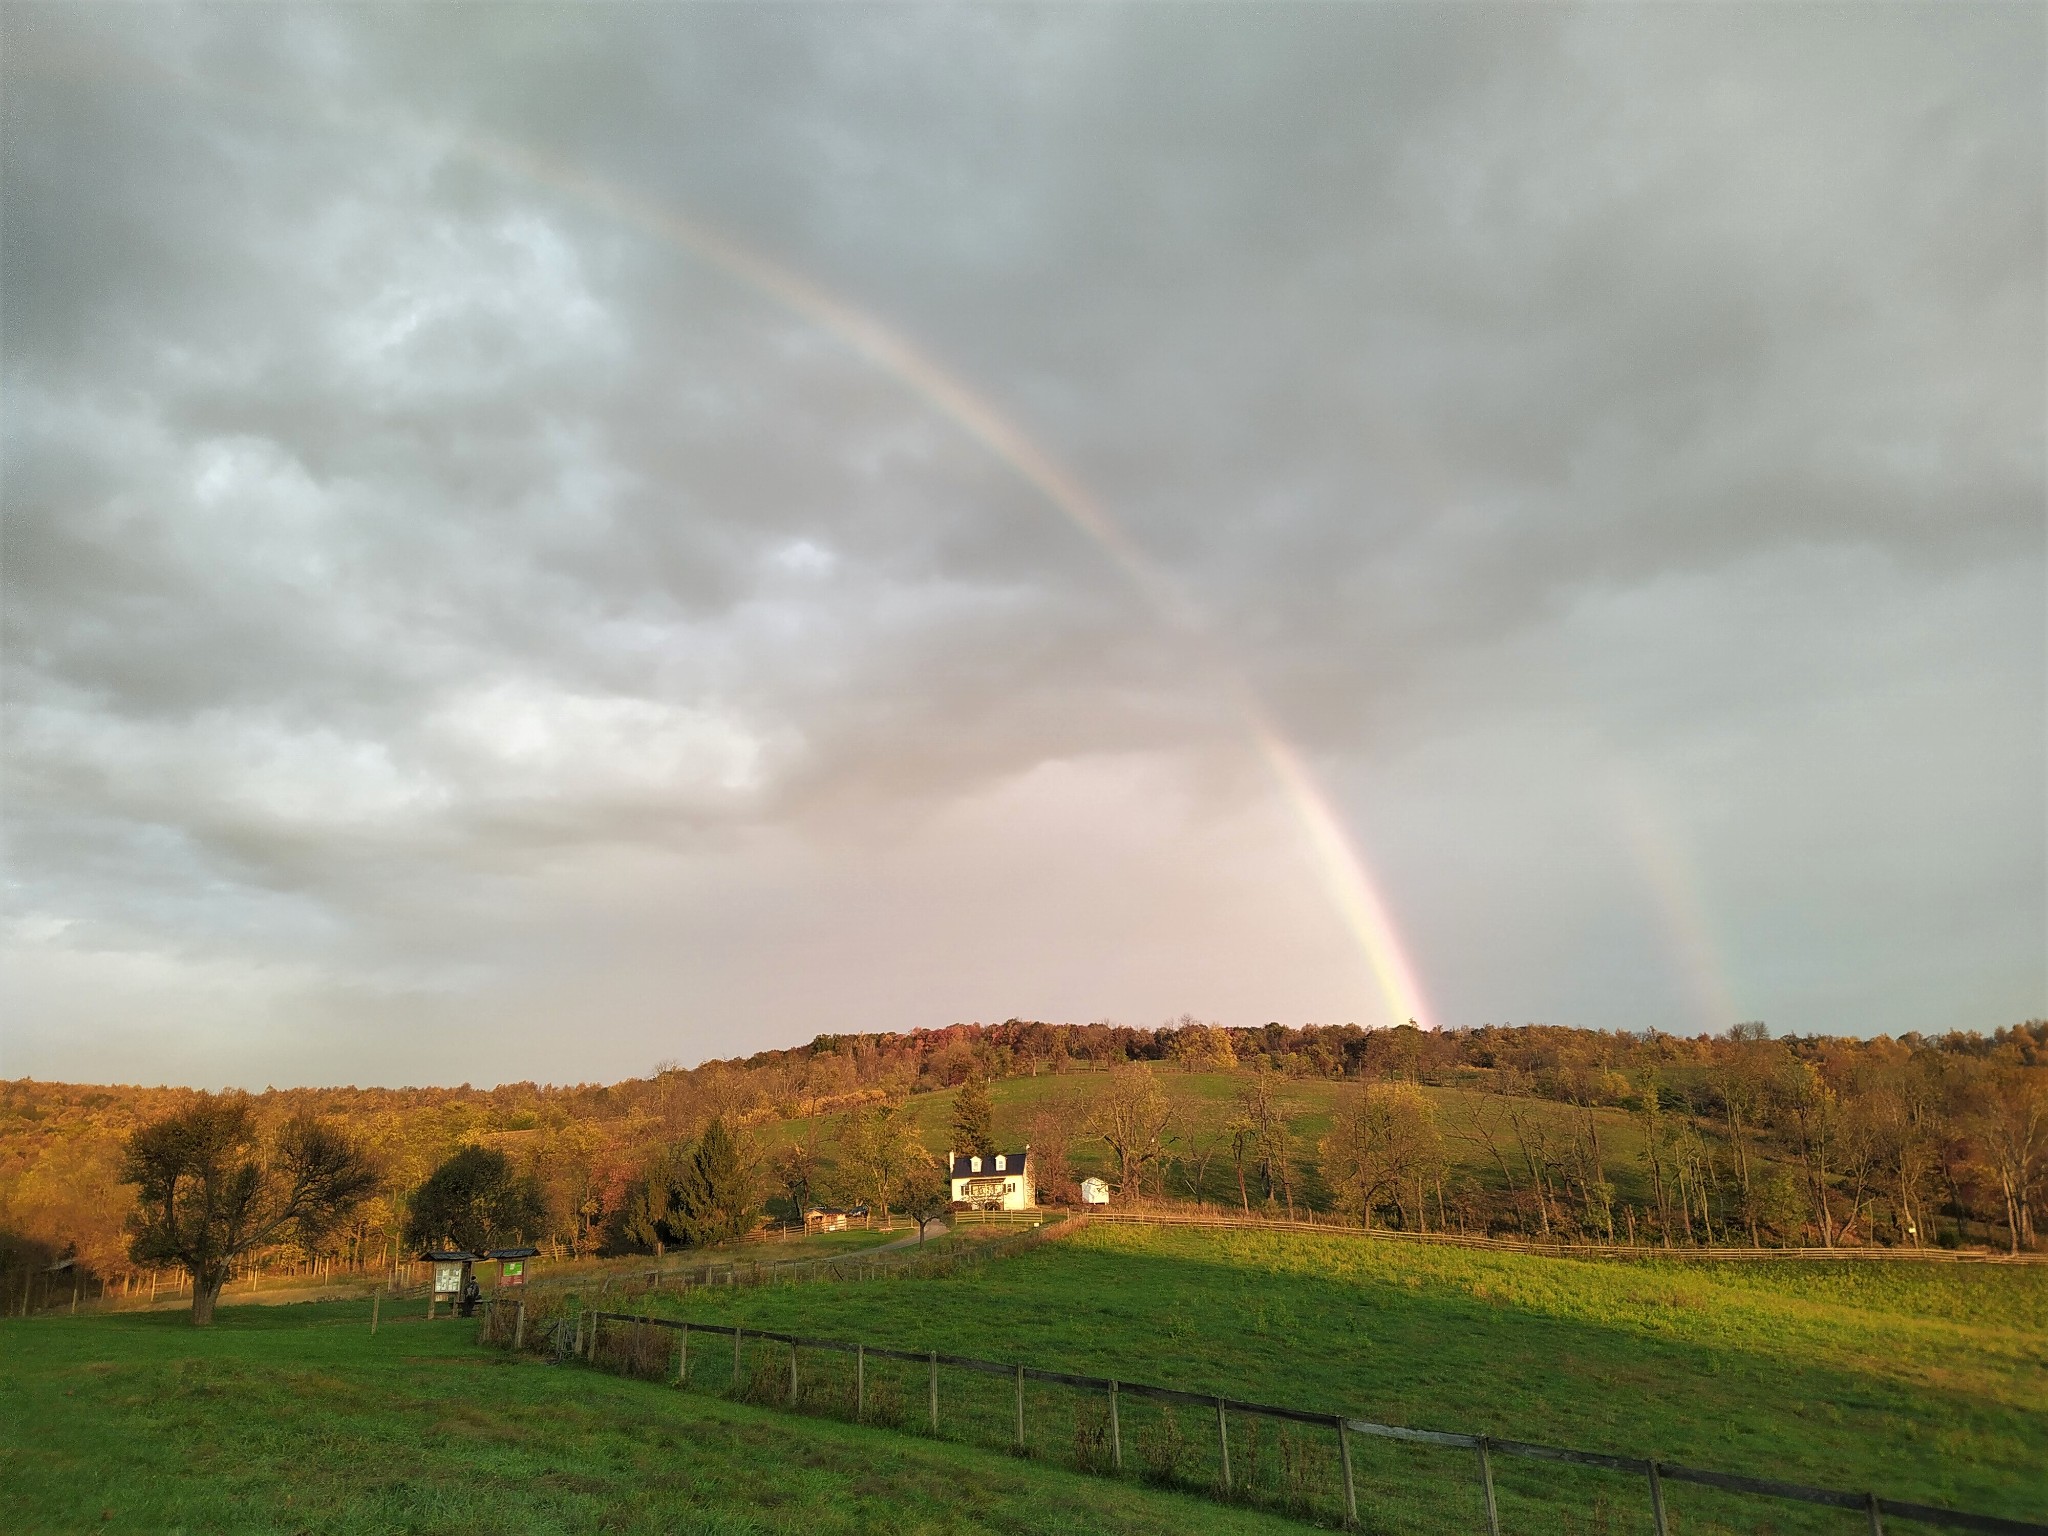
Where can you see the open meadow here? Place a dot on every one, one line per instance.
(295, 1419)
(1920, 1382)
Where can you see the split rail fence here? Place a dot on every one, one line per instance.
(1329, 1469)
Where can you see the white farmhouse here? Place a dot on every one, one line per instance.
(1003, 1182)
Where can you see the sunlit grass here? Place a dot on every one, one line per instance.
(1919, 1381)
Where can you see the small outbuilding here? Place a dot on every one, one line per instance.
(1094, 1191)
(1003, 1181)
(512, 1264)
(825, 1218)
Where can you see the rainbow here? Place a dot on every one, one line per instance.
(1347, 881)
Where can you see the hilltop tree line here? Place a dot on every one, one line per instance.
(1736, 1137)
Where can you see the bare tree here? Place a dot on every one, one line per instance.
(2011, 1127)
(1200, 1141)
(1056, 1124)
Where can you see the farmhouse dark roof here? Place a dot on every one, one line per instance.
(1013, 1162)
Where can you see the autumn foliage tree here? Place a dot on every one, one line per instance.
(211, 1187)
(878, 1149)
(1132, 1116)
(1384, 1149)
(925, 1194)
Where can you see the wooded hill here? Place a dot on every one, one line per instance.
(1506, 1129)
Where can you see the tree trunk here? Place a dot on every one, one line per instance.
(206, 1288)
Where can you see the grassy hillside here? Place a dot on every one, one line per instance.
(1202, 1102)
(1921, 1382)
(296, 1419)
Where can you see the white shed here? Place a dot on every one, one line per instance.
(1094, 1192)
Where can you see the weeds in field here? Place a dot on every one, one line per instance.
(1162, 1448)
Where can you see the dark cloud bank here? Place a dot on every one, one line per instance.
(453, 633)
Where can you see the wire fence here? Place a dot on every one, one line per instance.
(736, 1270)
(1327, 1469)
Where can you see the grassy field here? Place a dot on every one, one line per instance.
(1922, 1382)
(1202, 1101)
(294, 1419)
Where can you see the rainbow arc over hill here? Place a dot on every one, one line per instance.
(1348, 882)
(1346, 878)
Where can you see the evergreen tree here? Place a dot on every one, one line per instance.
(714, 1198)
(974, 1119)
(647, 1220)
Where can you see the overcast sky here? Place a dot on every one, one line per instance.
(487, 596)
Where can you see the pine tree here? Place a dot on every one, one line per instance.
(715, 1197)
(974, 1119)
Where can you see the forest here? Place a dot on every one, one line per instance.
(1527, 1130)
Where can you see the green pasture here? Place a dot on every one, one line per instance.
(294, 1419)
(1918, 1381)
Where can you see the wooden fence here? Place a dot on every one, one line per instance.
(1328, 1468)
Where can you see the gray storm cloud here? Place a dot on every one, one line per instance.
(453, 632)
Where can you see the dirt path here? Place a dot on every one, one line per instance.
(907, 1240)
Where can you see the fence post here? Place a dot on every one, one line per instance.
(376, 1301)
(519, 1324)
(1876, 1516)
(1657, 1499)
(735, 1360)
(935, 1392)
(1486, 1481)
(792, 1373)
(683, 1358)
(598, 1317)
(1020, 1406)
(1223, 1447)
(860, 1383)
(1350, 1486)
(1116, 1435)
